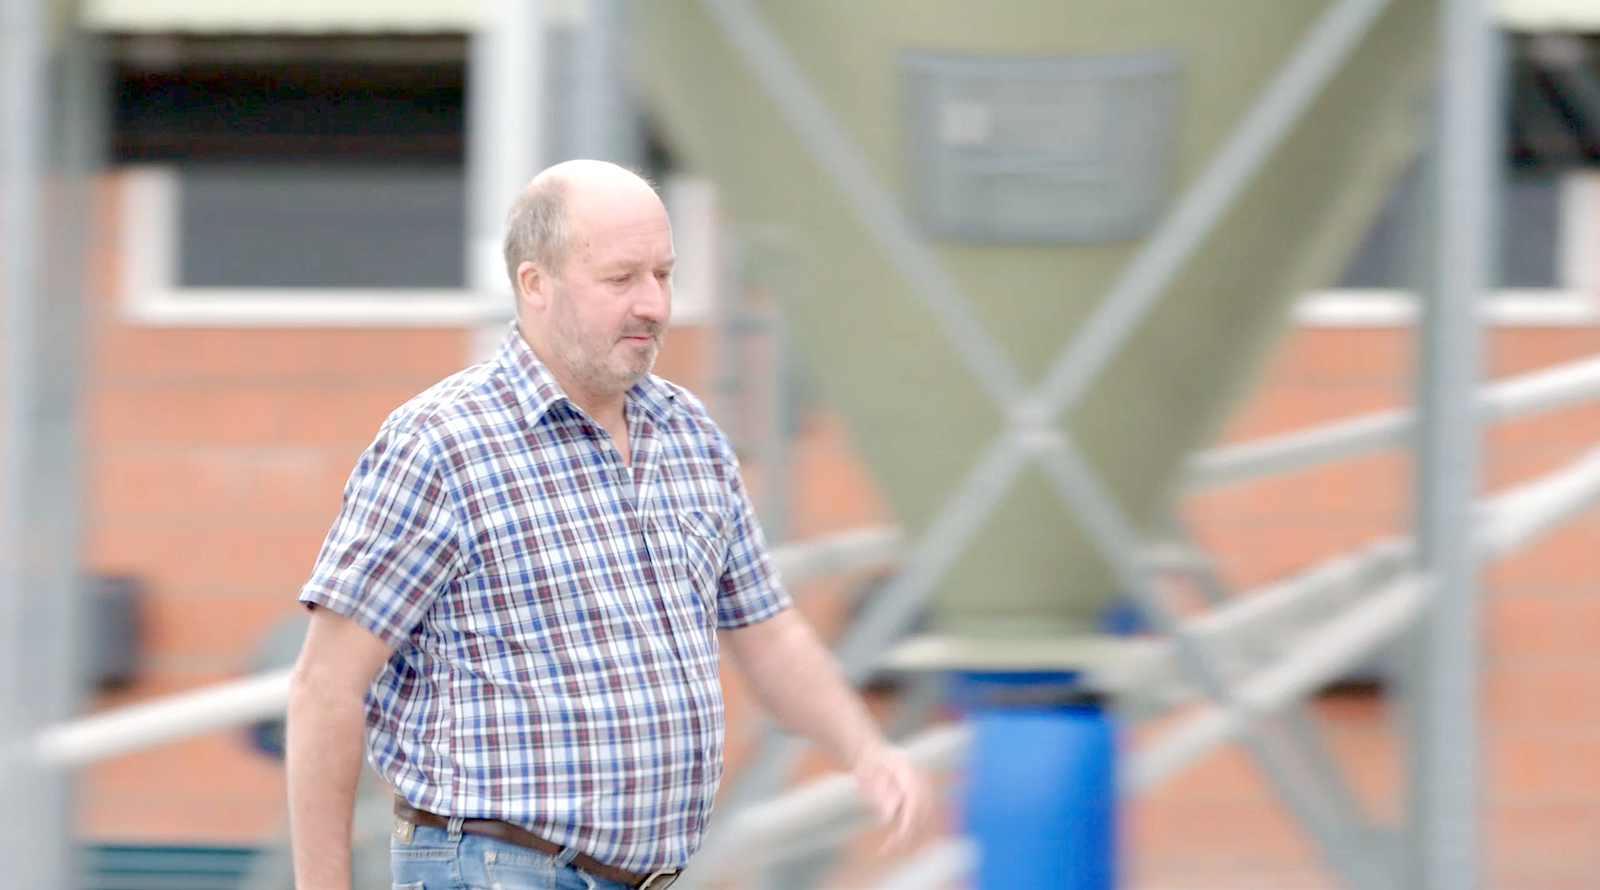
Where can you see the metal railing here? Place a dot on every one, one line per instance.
(264, 696)
(1284, 640)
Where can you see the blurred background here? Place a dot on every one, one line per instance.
(1109, 377)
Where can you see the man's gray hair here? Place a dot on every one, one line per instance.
(536, 228)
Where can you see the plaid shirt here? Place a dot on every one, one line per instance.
(553, 615)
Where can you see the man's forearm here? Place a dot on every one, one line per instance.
(800, 684)
(323, 754)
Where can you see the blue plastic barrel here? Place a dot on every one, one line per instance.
(1040, 796)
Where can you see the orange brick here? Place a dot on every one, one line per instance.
(229, 629)
(164, 482)
(1219, 832)
(1574, 430)
(684, 359)
(832, 490)
(1568, 557)
(1540, 627)
(1529, 767)
(201, 553)
(1322, 355)
(1538, 842)
(1515, 350)
(201, 816)
(131, 416)
(1290, 407)
(150, 684)
(291, 355)
(181, 767)
(219, 484)
(1504, 468)
(1370, 488)
(292, 484)
(1251, 554)
(254, 415)
(1544, 696)
(1228, 775)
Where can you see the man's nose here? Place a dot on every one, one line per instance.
(653, 301)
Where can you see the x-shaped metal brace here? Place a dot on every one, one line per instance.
(1034, 435)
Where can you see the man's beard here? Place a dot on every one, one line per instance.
(592, 364)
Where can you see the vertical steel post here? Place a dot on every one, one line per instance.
(76, 156)
(1444, 790)
(22, 82)
(775, 465)
(604, 122)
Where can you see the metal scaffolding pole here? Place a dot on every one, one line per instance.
(25, 839)
(1032, 415)
(1444, 689)
(604, 123)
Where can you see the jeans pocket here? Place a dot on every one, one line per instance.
(415, 885)
(515, 869)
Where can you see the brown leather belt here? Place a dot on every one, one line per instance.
(511, 834)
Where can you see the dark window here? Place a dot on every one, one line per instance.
(1552, 128)
(309, 172)
(1529, 235)
(321, 225)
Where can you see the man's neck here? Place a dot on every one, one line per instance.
(605, 408)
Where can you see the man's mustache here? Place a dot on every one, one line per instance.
(652, 329)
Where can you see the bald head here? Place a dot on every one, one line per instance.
(564, 204)
(589, 249)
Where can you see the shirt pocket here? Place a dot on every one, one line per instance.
(704, 552)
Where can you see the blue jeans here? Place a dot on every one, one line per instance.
(434, 860)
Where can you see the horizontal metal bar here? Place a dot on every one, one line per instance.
(168, 719)
(934, 867)
(1508, 399)
(1507, 522)
(1338, 839)
(850, 551)
(1511, 520)
(264, 696)
(757, 831)
(1251, 629)
(1317, 657)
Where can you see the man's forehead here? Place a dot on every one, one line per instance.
(635, 223)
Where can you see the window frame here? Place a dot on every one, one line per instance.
(148, 248)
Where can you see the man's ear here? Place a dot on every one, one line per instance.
(533, 285)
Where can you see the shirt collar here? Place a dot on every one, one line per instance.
(537, 389)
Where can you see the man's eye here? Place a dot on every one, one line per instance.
(621, 279)
(664, 275)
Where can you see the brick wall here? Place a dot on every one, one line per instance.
(1542, 628)
(216, 458)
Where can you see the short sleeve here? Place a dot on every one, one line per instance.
(750, 590)
(393, 548)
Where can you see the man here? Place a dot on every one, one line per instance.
(523, 600)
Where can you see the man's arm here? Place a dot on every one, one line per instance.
(325, 729)
(798, 682)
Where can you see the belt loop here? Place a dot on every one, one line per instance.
(455, 828)
(567, 854)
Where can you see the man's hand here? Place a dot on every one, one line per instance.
(797, 680)
(895, 789)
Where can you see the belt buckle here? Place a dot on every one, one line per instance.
(668, 874)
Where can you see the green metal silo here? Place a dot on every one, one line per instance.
(1035, 148)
